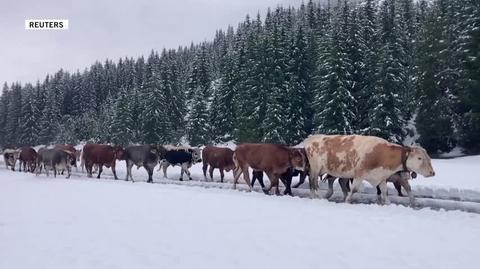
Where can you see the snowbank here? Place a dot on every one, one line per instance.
(89, 223)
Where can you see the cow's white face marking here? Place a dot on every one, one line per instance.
(419, 162)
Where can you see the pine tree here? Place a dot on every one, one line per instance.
(14, 115)
(4, 100)
(123, 124)
(434, 121)
(385, 116)
(470, 80)
(198, 129)
(154, 116)
(29, 121)
(334, 104)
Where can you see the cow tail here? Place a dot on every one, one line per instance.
(235, 162)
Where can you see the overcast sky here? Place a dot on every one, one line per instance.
(108, 29)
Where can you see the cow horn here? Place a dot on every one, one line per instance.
(68, 152)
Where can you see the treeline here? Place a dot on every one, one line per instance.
(390, 69)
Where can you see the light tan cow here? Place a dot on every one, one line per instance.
(359, 157)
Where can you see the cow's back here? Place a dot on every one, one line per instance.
(263, 156)
(218, 157)
(348, 156)
(28, 154)
(98, 154)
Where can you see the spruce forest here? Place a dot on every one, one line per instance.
(392, 68)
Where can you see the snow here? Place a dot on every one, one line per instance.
(103, 223)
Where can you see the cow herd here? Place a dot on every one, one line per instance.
(348, 158)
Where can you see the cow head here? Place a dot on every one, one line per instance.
(119, 152)
(196, 154)
(419, 162)
(71, 158)
(298, 158)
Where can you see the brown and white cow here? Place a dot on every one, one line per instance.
(359, 157)
(27, 158)
(217, 157)
(273, 159)
(97, 154)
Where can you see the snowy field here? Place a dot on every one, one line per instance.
(91, 223)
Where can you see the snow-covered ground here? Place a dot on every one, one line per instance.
(91, 223)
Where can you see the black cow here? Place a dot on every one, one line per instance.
(55, 159)
(183, 157)
(143, 155)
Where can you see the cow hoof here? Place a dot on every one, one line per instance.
(181, 179)
(189, 178)
(266, 191)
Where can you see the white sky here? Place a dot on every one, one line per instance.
(108, 29)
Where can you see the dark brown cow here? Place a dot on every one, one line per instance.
(27, 158)
(101, 155)
(272, 158)
(217, 157)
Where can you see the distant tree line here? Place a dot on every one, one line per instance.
(392, 69)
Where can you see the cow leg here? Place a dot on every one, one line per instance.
(406, 186)
(204, 168)
(164, 167)
(236, 175)
(259, 176)
(181, 173)
(210, 171)
(100, 169)
(246, 177)
(287, 182)
(186, 171)
(273, 183)
(344, 185)
(312, 180)
(383, 188)
(113, 170)
(330, 180)
(54, 171)
(129, 170)
(303, 175)
(69, 169)
(398, 187)
(222, 175)
(254, 177)
(355, 186)
(150, 173)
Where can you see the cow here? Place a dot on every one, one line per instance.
(54, 159)
(10, 156)
(163, 150)
(184, 158)
(273, 159)
(143, 155)
(27, 158)
(101, 155)
(69, 148)
(75, 154)
(360, 157)
(217, 157)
